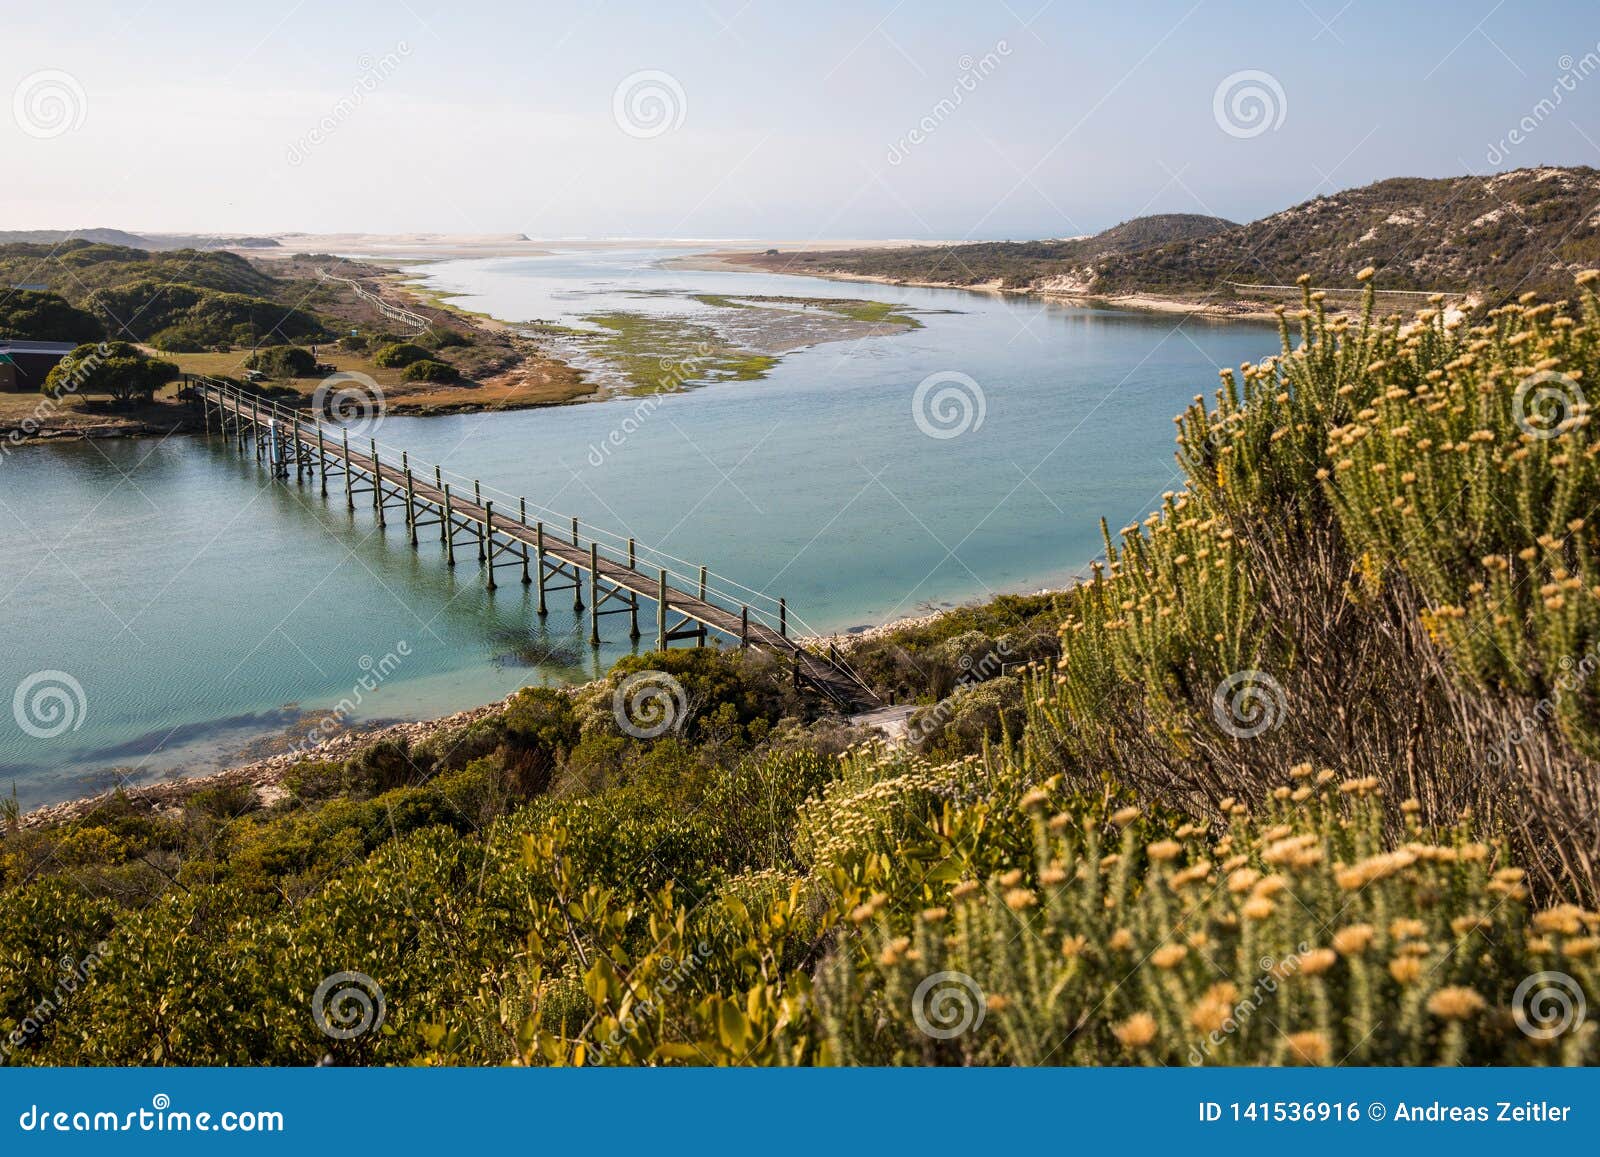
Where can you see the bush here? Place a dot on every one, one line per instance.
(26, 315)
(283, 362)
(429, 370)
(399, 355)
(117, 369)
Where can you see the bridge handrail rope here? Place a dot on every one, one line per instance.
(778, 619)
(387, 308)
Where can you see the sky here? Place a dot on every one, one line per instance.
(761, 119)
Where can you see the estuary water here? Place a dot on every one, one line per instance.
(166, 608)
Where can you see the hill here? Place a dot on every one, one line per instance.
(1010, 264)
(133, 240)
(1530, 229)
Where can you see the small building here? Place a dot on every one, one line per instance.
(25, 364)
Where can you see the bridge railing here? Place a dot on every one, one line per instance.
(721, 591)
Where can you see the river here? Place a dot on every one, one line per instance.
(187, 608)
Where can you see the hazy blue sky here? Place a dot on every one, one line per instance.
(791, 120)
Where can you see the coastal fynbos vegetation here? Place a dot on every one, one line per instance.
(1302, 775)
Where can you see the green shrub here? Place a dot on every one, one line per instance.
(283, 362)
(429, 370)
(400, 354)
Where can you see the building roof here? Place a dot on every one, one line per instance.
(36, 347)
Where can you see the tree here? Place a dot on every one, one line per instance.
(27, 315)
(400, 354)
(283, 362)
(117, 369)
(428, 370)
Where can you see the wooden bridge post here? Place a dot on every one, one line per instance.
(411, 497)
(701, 640)
(483, 531)
(522, 517)
(783, 618)
(450, 530)
(444, 526)
(538, 546)
(661, 611)
(577, 573)
(633, 597)
(322, 459)
(255, 424)
(377, 483)
(349, 491)
(488, 529)
(594, 594)
(744, 627)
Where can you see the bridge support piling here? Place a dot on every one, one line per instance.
(522, 517)
(349, 488)
(783, 619)
(488, 529)
(377, 483)
(449, 530)
(633, 598)
(538, 569)
(322, 460)
(483, 530)
(701, 641)
(411, 497)
(744, 627)
(661, 611)
(594, 594)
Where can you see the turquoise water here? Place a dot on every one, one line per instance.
(202, 607)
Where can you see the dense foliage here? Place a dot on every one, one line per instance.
(1501, 235)
(29, 316)
(1259, 792)
(283, 362)
(116, 369)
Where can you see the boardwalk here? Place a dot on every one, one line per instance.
(553, 555)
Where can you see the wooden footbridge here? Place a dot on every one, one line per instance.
(551, 554)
